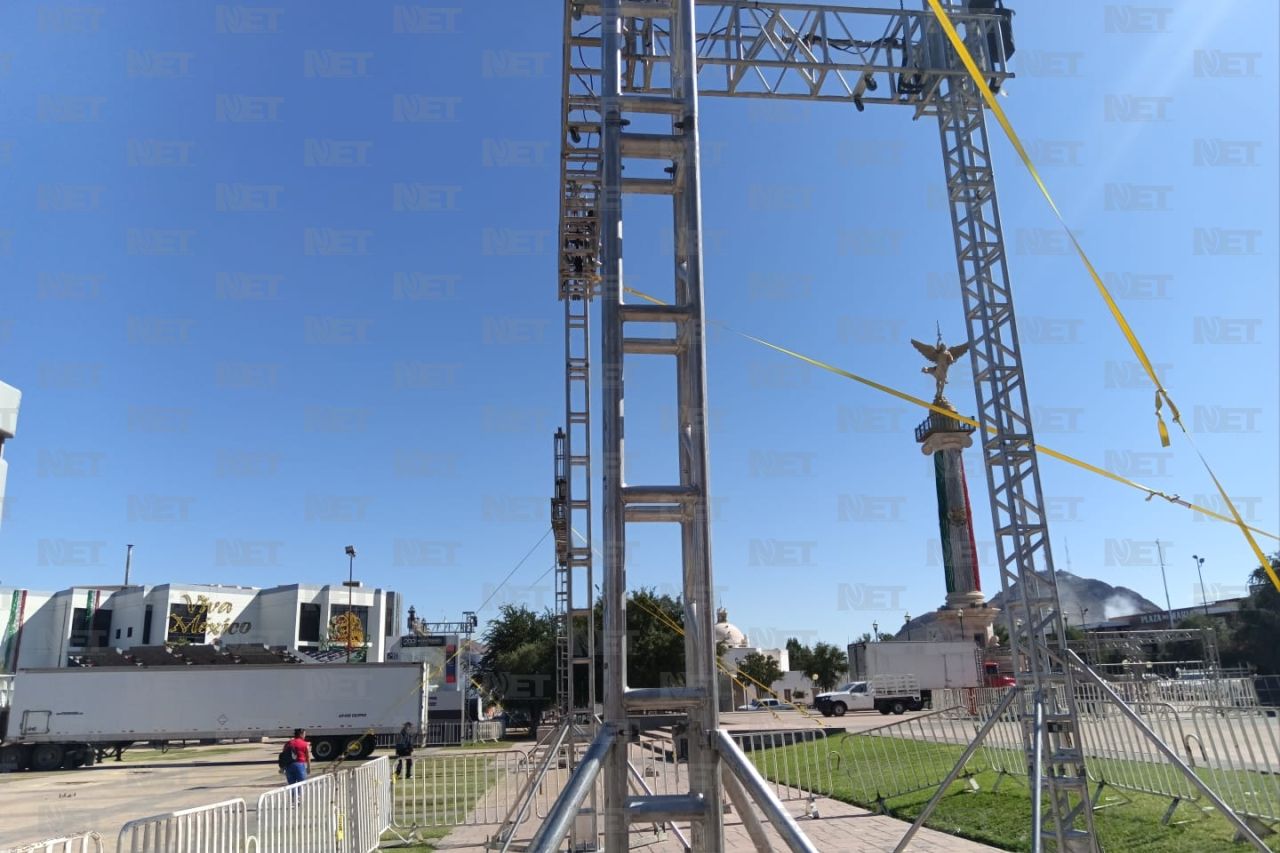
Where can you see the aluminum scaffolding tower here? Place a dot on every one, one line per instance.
(639, 61)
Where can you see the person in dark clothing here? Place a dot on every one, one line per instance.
(404, 751)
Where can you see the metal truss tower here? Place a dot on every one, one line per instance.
(633, 72)
(571, 510)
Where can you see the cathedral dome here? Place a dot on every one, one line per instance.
(728, 633)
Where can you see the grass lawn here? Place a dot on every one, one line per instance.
(1129, 822)
(425, 836)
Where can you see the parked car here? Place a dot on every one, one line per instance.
(766, 705)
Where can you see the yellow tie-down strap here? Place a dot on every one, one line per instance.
(1162, 395)
(917, 401)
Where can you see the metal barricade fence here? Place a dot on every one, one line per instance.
(458, 789)
(654, 761)
(488, 730)
(912, 755)
(300, 817)
(797, 761)
(1184, 695)
(218, 828)
(84, 842)
(368, 799)
(1238, 753)
(1119, 755)
(557, 776)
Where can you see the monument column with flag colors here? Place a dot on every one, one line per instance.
(966, 614)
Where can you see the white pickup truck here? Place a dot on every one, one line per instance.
(887, 694)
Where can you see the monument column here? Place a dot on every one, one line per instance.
(966, 614)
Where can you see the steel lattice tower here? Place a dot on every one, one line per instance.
(641, 60)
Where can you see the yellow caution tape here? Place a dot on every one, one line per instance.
(1162, 395)
(955, 416)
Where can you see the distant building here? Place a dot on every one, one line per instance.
(738, 647)
(1160, 618)
(53, 629)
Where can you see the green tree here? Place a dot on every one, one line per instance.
(655, 649)
(799, 656)
(830, 663)
(518, 667)
(760, 670)
(1258, 623)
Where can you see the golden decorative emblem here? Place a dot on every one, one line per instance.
(344, 629)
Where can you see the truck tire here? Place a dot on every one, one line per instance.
(882, 708)
(360, 747)
(47, 756)
(77, 755)
(899, 706)
(326, 748)
(838, 708)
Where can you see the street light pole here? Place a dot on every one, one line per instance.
(470, 621)
(1204, 595)
(906, 623)
(1167, 603)
(351, 584)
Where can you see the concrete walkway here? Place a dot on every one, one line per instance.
(840, 828)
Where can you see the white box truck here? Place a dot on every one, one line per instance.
(70, 717)
(935, 664)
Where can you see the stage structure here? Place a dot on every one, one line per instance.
(633, 72)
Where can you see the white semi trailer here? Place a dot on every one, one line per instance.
(70, 717)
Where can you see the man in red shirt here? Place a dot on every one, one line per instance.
(297, 770)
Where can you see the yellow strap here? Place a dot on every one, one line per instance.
(917, 401)
(998, 112)
(1162, 395)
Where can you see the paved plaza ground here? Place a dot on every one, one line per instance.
(841, 828)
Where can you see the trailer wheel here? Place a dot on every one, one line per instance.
(360, 747)
(326, 749)
(75, 757)
(47, 756)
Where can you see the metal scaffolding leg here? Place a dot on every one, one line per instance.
(684, 502)
(1036, 628)
(571, 508)
(614, 527)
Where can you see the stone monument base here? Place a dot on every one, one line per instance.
(966, 619)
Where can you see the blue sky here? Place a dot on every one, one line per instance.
(242, 348)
